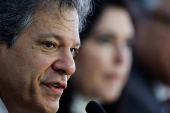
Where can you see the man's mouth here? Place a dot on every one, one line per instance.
(56, 87)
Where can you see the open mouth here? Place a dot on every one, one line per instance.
(56, 86)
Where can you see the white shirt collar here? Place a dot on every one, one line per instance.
(79, 103)
(3, 109)
(161, 92)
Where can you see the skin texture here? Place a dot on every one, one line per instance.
(42, 54)
(152, 44)
(104, 58)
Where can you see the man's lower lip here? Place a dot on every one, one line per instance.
(57, 91)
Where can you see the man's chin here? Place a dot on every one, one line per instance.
(47, 106)
(52, 106)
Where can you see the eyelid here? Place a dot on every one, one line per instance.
(49, 48)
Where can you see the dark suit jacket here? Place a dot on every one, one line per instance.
(140, 93)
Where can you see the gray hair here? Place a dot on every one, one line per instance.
(16, 15)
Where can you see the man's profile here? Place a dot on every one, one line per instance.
(38, 39)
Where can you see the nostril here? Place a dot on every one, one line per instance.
(61, 72)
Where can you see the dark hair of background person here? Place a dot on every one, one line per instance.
(16, 15)
(97, 7)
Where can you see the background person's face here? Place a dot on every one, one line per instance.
(104, 59)
(152, 44)
(40, 61)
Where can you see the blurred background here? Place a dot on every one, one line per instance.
(124, 59)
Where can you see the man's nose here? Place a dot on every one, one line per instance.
(64, 65)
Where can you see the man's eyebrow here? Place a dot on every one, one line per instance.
(50, 35)
(58, 37)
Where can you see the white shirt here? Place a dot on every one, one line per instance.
(79, 103)
(3, 109)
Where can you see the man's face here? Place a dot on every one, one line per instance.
(153, 42)
(35, 70)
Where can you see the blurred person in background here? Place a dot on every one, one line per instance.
(149, 84)
(104, 59)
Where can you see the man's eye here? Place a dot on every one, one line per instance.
(49, 45)
(74, 51)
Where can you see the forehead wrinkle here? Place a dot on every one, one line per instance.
(50, 35)
(61, 24)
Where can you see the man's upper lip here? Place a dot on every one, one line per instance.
(58, 82)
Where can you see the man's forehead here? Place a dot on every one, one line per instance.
(65, 16)
(62, 12)
(67, 19)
